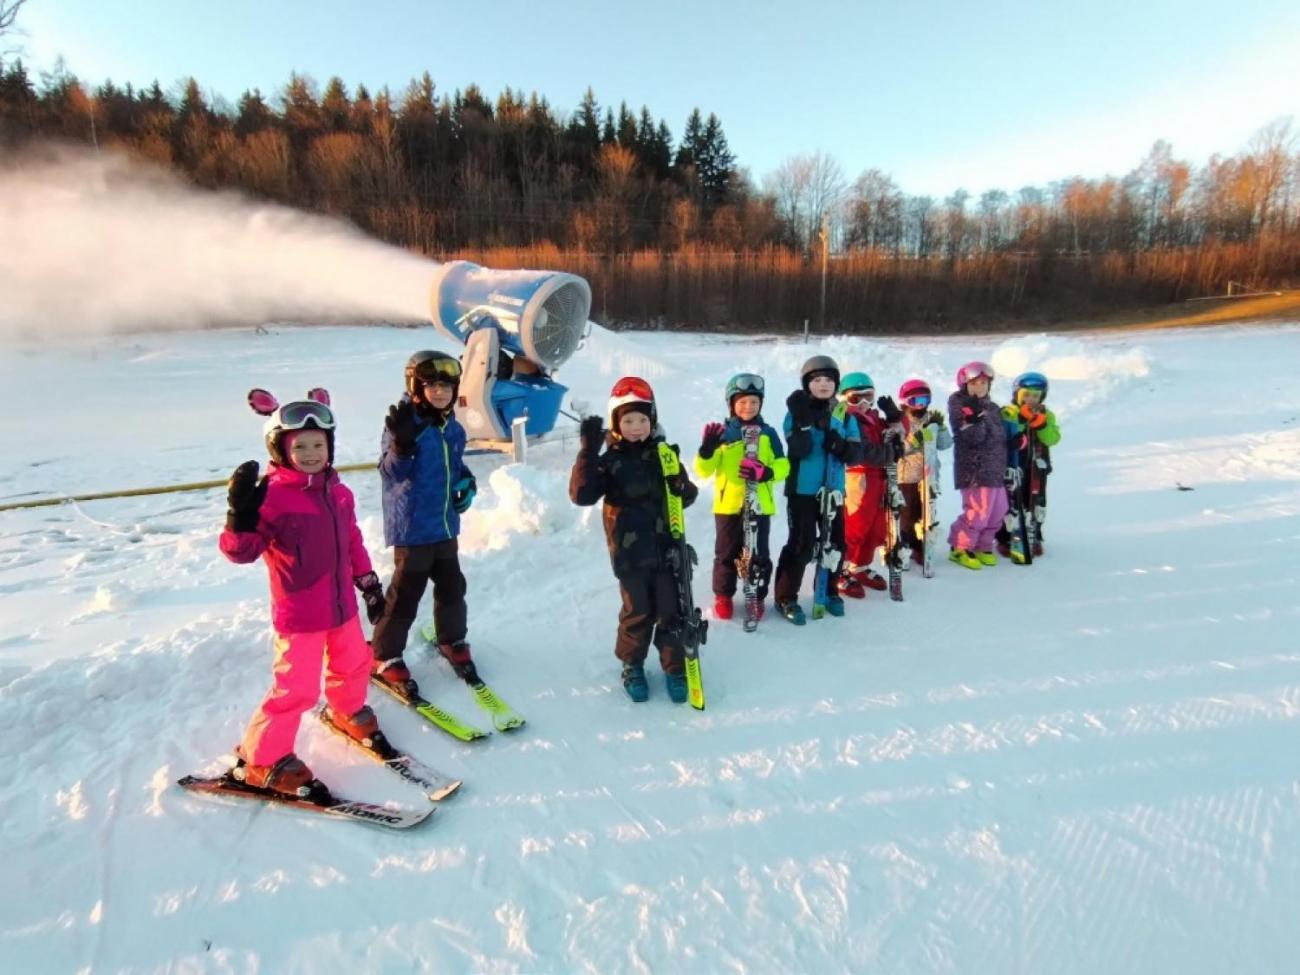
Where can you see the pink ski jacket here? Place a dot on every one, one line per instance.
(308, 536)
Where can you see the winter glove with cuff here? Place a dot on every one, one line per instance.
(244, 496)
(591, 432)
(711, 440)
(403, 427)
(372, 594)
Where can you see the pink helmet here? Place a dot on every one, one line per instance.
(973, 370)
(913, 391)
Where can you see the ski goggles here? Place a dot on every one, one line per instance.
(747, 382)
(859, 396)
(1027, 395)
(431, 371)
(977, 370)
(633, 388)
(917, 401)
(304, 413)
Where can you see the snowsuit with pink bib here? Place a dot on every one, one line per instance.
(308, 536)
(979, 470)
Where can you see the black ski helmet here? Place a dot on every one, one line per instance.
(429, 365)
(819, 364)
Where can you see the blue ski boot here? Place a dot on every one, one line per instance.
(676, 687)
(635, 684)
(834, 605)
(792, 612)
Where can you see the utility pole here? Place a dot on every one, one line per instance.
(826, 248)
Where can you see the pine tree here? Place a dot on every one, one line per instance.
(626, 128)
(253, 114)
(336, 110)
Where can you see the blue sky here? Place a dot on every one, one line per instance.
(939, 94)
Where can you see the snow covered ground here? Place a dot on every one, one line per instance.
(1090, 765)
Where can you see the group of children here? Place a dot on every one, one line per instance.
(838, 438)
(301, 520)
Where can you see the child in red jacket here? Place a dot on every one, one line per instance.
(864, 484)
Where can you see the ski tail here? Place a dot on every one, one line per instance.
(436, 716)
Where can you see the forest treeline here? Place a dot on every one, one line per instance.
(672, 231)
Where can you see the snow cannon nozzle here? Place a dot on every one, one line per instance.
(541, 315)
(517, 328)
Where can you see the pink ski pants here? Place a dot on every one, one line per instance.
(982, 511)
(299, 657)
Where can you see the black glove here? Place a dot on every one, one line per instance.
(799, 403)
(890, 409)
(372, 594)
(677, 484)
(970, 416)
(591, 431)
(244, 496)
(836, 445)
(711, 440)
(896, 446)
(403, 426)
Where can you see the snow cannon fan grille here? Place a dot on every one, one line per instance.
(560, 323)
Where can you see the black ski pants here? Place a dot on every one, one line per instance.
(649, 609)
(909, 519)
(414, 567)
(728, 542)
(802, 513)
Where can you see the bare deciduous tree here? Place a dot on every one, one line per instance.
(8, 14)
(808, 190)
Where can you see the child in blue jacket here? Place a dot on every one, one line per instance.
(821, 439)
(426, 488)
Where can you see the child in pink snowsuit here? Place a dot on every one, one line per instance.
(979, 467)
(301, 520)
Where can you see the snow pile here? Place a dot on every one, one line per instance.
(519, 500)
(1079, 374)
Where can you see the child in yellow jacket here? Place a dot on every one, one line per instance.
(1026, 418)
(741, 452)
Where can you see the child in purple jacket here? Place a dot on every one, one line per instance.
(979, 467)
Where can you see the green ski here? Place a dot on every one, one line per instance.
(681, 559)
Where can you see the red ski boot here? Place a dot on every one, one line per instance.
(722, 607)
(457, 654)
(395, 674)
(362, 726)
(850, 586)
(289, 776)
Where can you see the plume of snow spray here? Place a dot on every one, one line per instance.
(106, 243)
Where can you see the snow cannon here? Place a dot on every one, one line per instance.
(517, 327)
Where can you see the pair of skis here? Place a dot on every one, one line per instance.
(681, 561)
(1024, 531)
(751, 568)
(829, 502)
(893, 534)
(927, 527)
(501, 714)
(318, 798)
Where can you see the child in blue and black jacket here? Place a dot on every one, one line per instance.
(426, 488)
(821, 440)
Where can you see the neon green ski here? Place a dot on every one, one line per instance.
(681, 558)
